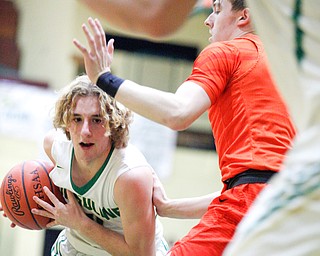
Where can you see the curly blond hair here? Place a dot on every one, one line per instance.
(116, 115)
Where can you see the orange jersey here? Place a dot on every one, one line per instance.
(249, 119)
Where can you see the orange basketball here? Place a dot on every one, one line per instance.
(22, 182)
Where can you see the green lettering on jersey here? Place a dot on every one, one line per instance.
(109, 213)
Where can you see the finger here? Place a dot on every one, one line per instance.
(43, 204)
(102, 32)
(90, 38)
(110, 46)
(81, 47)
(99, 46)
(42, 213)
(96, 31)
(110, 50)
(100, 38)
(51, 196)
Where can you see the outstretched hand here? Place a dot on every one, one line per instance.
(68, 215)
(98, 57)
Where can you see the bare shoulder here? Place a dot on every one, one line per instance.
(136, 184)
(48, 141)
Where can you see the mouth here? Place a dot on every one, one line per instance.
(86, 145)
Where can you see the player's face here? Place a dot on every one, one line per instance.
(88, 130)
(222, 22)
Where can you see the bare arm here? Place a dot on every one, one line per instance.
(133, 195)
(176, 110)
(153, 18)
(184, 208)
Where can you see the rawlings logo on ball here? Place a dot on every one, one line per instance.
(15, 196)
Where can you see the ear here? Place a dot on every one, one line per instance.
(244, 18)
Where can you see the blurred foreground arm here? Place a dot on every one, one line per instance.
(154, 18)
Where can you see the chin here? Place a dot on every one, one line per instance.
(211, 40)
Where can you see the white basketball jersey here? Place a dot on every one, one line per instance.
(97, 196)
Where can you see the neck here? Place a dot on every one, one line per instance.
(86, 167)
(242, 33)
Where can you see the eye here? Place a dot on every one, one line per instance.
(216, 7)
(97, 120)
(77, 119)
(216, 10)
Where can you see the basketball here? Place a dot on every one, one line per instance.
(21, 183)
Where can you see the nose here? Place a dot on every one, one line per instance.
(209, 21)
(85, 129)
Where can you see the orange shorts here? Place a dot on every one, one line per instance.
(218, 224)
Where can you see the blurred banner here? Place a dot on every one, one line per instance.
(156, 142)
(24, 109)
